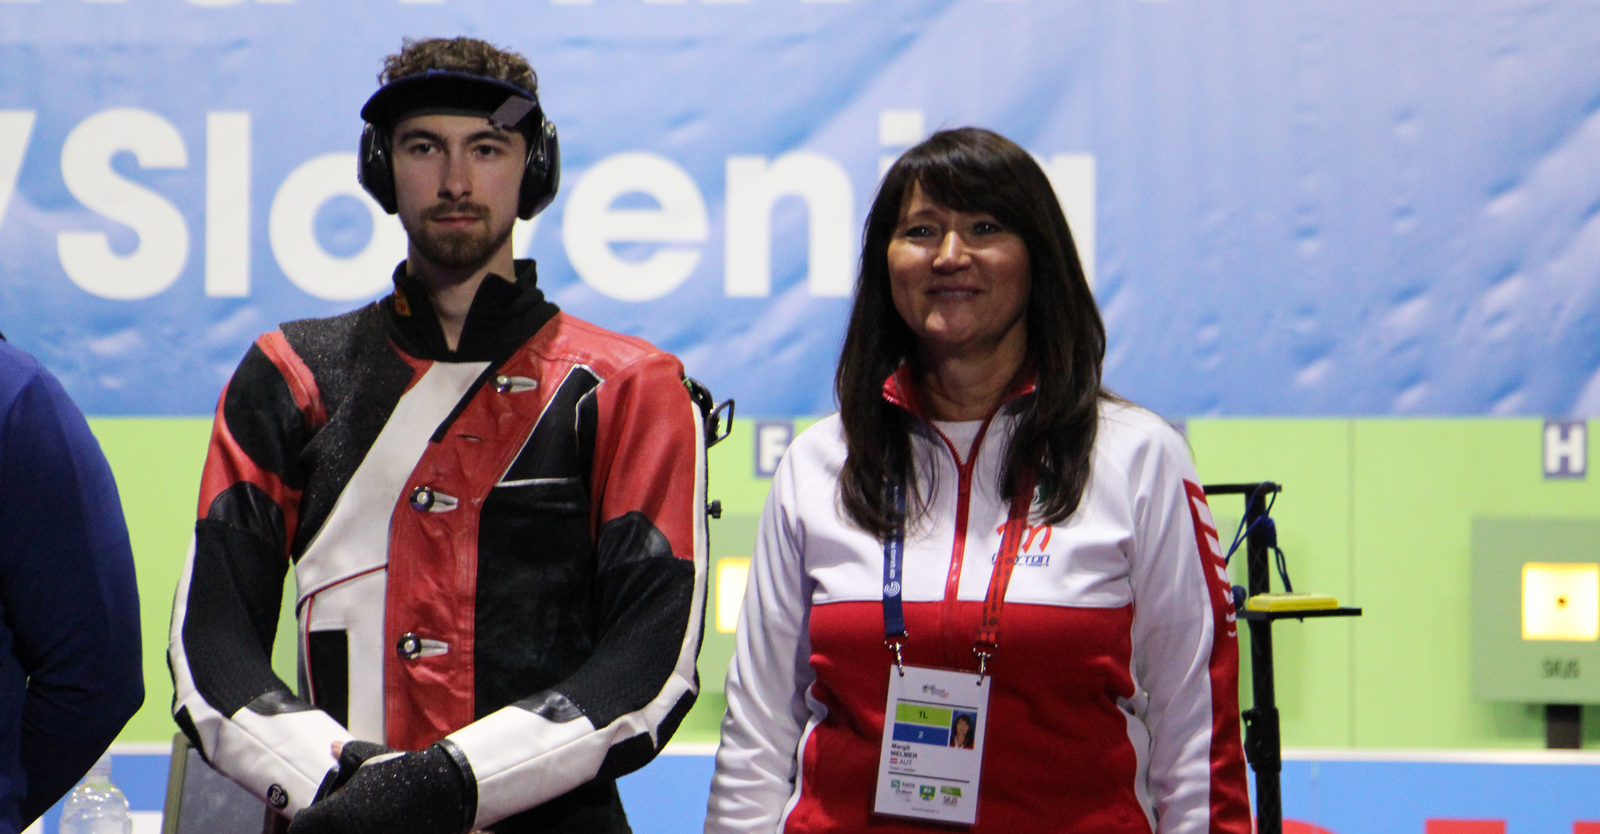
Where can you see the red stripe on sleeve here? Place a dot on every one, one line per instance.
(1230, 798)
(298, 377)
(228, 464)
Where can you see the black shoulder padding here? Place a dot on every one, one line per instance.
(323, 343)
(631, 537)
(248, 507)
(231, 616)
(360, 379)
(264, 419)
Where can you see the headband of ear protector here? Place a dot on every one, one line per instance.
(504, 104)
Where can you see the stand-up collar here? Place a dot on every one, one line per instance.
(503, 314)
(902, 389)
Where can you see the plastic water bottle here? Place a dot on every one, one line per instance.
(96, 806)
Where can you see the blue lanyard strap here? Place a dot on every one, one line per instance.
(894, 551)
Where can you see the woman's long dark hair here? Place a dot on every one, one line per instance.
(974, 170)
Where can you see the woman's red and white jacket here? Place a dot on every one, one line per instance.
(1114, 704)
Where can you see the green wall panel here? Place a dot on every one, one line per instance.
(1311, 459)
(1376, 512)
(1379, 513)
(1417, 484)
(732, 480)
(157, 464)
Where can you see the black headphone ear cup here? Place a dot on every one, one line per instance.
(542, 174)
(375, 171)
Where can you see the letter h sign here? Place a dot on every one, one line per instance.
(1566, 449)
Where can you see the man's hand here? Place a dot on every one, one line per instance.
(350, 756)
(421, 793)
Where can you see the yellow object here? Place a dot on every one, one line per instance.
(1560, 601)
(1290, 602)
(731, 576)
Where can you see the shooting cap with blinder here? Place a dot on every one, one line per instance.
(451, 93)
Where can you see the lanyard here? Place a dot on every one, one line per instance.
(994, 600)
(894, 554)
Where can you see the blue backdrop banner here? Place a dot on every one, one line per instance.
(1323, 207)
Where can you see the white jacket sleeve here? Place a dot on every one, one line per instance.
(767, 716)
(1186, 656)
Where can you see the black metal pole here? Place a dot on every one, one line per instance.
(1262, 742)
(1563, 726)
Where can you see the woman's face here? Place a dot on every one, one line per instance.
(960, 280)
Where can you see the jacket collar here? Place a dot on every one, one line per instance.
(503, 315)
(902, 389)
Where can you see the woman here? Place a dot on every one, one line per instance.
(961, 732)
(970, 377)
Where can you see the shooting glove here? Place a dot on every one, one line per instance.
(425, 792)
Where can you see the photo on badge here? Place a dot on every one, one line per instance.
(963, 729)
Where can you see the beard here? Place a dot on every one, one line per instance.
(465, 249)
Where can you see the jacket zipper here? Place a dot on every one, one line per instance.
(950, 639)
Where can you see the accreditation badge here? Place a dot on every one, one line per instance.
(932, 753)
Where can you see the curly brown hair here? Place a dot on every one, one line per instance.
(459, 55)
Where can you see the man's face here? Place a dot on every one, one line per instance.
(456, 181)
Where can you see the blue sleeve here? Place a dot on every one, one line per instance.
(67, 589)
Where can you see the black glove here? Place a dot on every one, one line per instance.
(421, 793)
(351, 757)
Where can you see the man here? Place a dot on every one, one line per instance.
(70, 668)
(494, 512)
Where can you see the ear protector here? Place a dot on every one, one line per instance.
(504, 104)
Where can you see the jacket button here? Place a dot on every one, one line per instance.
(409, 647)
(507, 384)
(421, 499)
